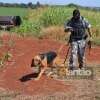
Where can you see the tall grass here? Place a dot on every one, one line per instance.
(41, 18)
(28, 28)
(34, 20)
(55, 16)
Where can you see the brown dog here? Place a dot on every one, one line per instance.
(42, 62)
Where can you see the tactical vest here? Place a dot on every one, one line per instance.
(79, 31)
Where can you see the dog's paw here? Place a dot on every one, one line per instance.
(36, 79)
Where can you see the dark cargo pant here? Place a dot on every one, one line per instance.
(77, 51)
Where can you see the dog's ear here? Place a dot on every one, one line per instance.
(32, 63)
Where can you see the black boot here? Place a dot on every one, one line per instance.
(80, 66)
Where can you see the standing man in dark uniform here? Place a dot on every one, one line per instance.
(77, 26)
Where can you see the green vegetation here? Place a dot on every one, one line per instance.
(7, 55)
(9, 11)
(5, 58)
(34, 20)
(55, 16)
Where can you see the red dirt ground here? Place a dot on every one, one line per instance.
(19, 67)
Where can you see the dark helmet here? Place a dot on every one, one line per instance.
(76, 14)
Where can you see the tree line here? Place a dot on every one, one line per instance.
(22, 5)
(38, 4)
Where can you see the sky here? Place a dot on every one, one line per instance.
(90, 3)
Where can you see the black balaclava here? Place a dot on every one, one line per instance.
(76, 14)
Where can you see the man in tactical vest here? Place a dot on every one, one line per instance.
(77, 26)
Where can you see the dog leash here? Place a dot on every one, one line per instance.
(66, 55)
(89, 46)
(61, 47)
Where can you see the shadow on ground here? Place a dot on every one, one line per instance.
(28, 77)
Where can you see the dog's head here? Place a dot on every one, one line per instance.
(36, 61)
